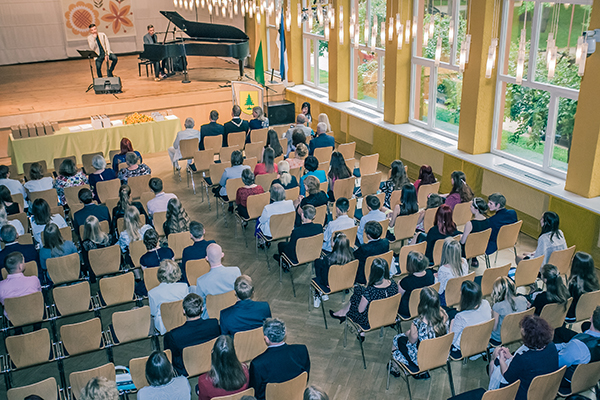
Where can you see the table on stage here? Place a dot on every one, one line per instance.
(147, 137)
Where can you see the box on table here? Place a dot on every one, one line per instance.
(55, 126)
(39, 128)
(23, 130)
(96, 122)
(105, 121)
(14, 129)
(48, 128)
(31, 129)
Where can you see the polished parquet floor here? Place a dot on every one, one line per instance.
(338, 370)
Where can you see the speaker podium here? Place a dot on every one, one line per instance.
(281, 112)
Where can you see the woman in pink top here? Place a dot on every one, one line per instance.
(298, 160)
(426, 177)
(268, 165)
(461, 192)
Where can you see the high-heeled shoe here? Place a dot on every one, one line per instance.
(341, 319)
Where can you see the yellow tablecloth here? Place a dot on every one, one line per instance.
(147, 137)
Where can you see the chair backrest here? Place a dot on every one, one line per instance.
(72, 299)
(178, 242)
(562, 260)
(49, 195)
(288, 390)
(462, 213)
(216, 303)
(139, 185)
(137, 249)
(283, 142)
(254, 150)
(79, 379)
(349, 232)
(341, 277)
(72, 193)
(237, 396)
(249, 344)
(280, 129)
(46, 389)
(395, 198)
(259, 135)
(511, 331)
(425, 191)
(159, 219)
(251, 162)
(64, 269)
(86, 160)
(386, 256)
(29, 349)
(26, 309)
(347, 149)
(545, 387)
(475, 338)
(203, 159)
(344, 187)
(197, 359)
(476, 243)
(586, 376)
(21, 217)
(506, 393)
(405, 226)
(453, 288)
(555, 313)
(82, 337)
(137, 368)
(117, 289)
(508, 235)
(188, 147)
(489, 277)
(31, 268)
(528, 270)
(195, 269)
(437, 250)
(172, 314)
(403, 255)
(321, 214)
(586, 305)
(108, 190)
(308, 249)
(383, 312)
(225, 153)
(18, 198)
(350, 163)
(297, 172)
(66, 233)
(213, 142)
(112, 154)
(265, 180)
(151, 278)
(106, 260)
(429, 218)
(433, 353)
(216, 171)
(236, 139)
(415, 298)
(232, 186)
(369, 184)
(292, 194)
(24, 239)
(131, 325)
(323, 154)
(27, 168)
(58, 161)
(282, 225)
(323, 186)
(368, 164)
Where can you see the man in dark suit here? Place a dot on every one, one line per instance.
(211, 129)
(246, 314)
(280, 362)
(307, 229)
(373, 247)
(89, 208)
(195, 331)
(197, 251)
(322, 139)
(9, 236)
(235, 125)
(497, 202)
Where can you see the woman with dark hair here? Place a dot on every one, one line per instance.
(227, 374)
(162, 382)
(6, 200)
(305, 109)
(337, 170)
(311, 167)
(314, 196)
(259, 121)
(426, 177)
(100, 174)
(273, 142)
(133, 168)
(473, 310)
(478, 223)
(155, 252)
(125, 201)
(506, 301)
(93, 238)
(537, 356)
(41, 216)
(267, 166)
(550, 240)
(250, 188)
(341, 254)
(379, 286)
(37, 181)
(461, 192)
(431, 322)
(314, 393)
(583, 279)
(298, 137)
(419, 276)
(556, 291)
(444, 227)
(177, 219)
(397, 180)
(408, 204)
(126, 147)
(434, 200)
(68, 176)
(54, 246)
(285, 179)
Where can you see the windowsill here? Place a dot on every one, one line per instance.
(495, 163)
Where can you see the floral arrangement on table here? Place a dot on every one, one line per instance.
(137, 118)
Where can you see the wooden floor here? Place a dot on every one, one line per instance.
(336, 369)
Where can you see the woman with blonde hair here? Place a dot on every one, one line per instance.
(99, 388)
(134, 230)
(314, 196)
(168, 290)
(177, 218)
(259, 121)
(285, 179)
(93, 238)
(301, 154)
(506, 301)
(452, 265)
(325, 119)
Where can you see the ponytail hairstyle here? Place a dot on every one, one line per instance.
(556, 291)
(460, 186)
(504, 289)
(480, 205)
(124, 197)
(283, 167)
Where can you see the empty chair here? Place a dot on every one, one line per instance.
(72, 299)
(368, 164)
(254, 150)
(527, 271)
(476, 245)
(489, 277)
(214, 175)
(344, 187)
(202, 160)
(131, 325)
(425, 191)
(555, 313)
(369, 184)
(259, 135)
(562, 260)
(138, 185)
(404, 229)
(225, 153)
(82, 337)
(507, 237)
(46, 389)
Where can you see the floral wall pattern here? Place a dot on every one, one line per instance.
(113, 17)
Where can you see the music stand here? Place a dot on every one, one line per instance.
(89, 54)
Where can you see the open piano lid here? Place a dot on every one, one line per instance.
(206, 31)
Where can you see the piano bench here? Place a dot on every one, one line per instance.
(146, 63)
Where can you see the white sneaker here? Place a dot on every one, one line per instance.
(317, 302)
(476, 357)
(324, 297)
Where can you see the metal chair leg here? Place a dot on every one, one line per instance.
(407, 378)
(362, 350)
(310, 295)
(292, 279)
(450, 378)
(389, 368)
(346, 333)
(323, 309)
(487, 261)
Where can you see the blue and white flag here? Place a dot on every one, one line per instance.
(283, 64)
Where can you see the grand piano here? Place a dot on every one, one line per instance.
(204, 40)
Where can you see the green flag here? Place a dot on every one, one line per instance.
(259, 69)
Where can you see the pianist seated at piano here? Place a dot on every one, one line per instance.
(259, 121)
(159, 66)
(235, 125)
(211, 129)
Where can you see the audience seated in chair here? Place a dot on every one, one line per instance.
(375, 246)
(16, 284)
(374, 213)
(306, 229)
(502, 216)
(273, 143)
(419, 276)
(161, 199)
(37, 182)
(125, 147)
(235, 125)
(426, 177)
(163, 384)
(250, 188)
(93, 238)
(409, 205)
(54, 246)
(550, 240)
(233, 172)
(556, 291)
(99, 388)
(461, 192)
(299, 126)
(125, 201)
(246, 314)
(478, 223)
(7, 202)
(311, 168)
(196, 251)
(188, 133)
(278, 205)
(89, 208)
(452, 265)
(211, 129)
(101, 174)
(301, 155)
(133, 169)
(134, 230)
(280, 362)
(337, 170)
(14, 222)
(195, 331)
(267, 166)
(155, 252)
(40, 217)
(583, 279)
(396, 181)
(314, 197)
(506, 301)
(258, 122)
(342, 221)
(321, 140)
(68, 176)
(341, 254)
(13, 185)
(442, 228)
(177, 218)
(169, 290)
(284, 177)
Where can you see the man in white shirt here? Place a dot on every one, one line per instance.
(374, 214)
(278, 205)
(188, 133)
(342, 221)
(99, 43)
(161, 199)
(13, 185)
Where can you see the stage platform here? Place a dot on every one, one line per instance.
(56, 91)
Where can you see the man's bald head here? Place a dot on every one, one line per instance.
(300, 119)
(214, 254)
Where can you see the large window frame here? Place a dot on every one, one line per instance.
(312, 61)
(272, 34)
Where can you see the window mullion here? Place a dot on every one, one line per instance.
(534, 44)
(433, 73)
(550, 131)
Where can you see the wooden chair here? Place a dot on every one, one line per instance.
(368, 164)
(462, 213)
(178, 242)
(349, 232)
(555, 313)
(562, 260)
(249, 344)
(46, 389)
(80, 379)
(395, 198)
(72, 299)
(506, 393)
(308, 249)
(215, 172)
(381, 313)
(323, 154)
(585, 377)
(137, 249)
(280, 129)
(202, 160)
(437, 250)
(288, 390)
(231, 188)
(251, 162)
(24, 239)
(82, 337)
(323, 186)
(236, 139)
(413, 302)
(159, 219)
(527, 271)
(72, 193)
(425, 191)
(347, 150)
(117, 289)
(586, 305)
(58, 161)
(216, 303)
(197, 359)
(510, 331)
(151, 278)
(131, 325)
(369, 184)
(297, 172)
(105, 261)
(340, 278)
(404, 229)
(18, 198)
(254, 150)
(432, 354)
(172, 314)
(283, 142)
(351, 164)
(237, 396)
(475, 339)
(265, 180)
(292, 194)
(403, 255)
(281, 228)
(344, 188)
(112, 154)
(137, 368)
(321, 215)
(545, 387)
(138, 185)
(64, 269)
(255, 205)
(49, 195)
(259, 135)
(21, 217)
(108, 190)
(489, 277)
(27, 169)
(389, 256)
(429, 218)
(507, 237)
(29, 349)
(225, 153)
(452, 291)
(476, 244)
(187, 149)
(86, 160)
(195, 269)
(31, 268)
(324, 166)
(25, 310)
(213, 142)
(384, 227)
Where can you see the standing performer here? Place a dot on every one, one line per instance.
(98, 42)
(159, 66)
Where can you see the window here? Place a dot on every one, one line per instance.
(316, 51)
(441, 83)
(272, 48)
(367, 62)
(534, 119)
